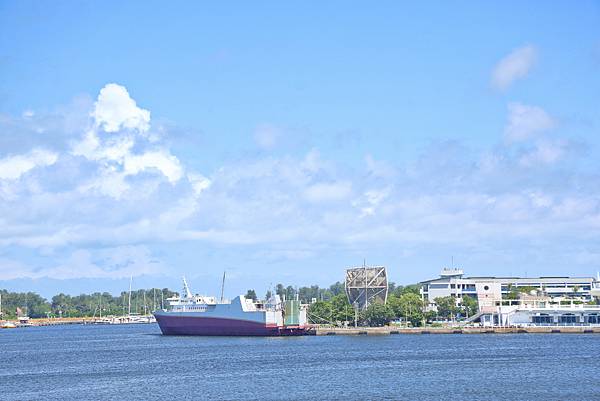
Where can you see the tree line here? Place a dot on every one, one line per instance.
(143, 301)
(328, 305)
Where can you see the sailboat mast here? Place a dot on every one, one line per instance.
(223, 286)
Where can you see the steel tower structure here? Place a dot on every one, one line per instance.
(366, 285)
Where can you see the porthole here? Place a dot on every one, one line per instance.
(486, 287)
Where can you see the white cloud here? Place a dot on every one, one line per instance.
(370, 200)
(115, 109)
(526, 122)
(120, 189)
(199, 182)
(114, 262)
(123, 153)
(513, 67)
(163, 161)
(328, 192)
(108, 181)
(545, 152)
(266, 136)
(113, 148)
(13, 167)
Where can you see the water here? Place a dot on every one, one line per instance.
(134, 362)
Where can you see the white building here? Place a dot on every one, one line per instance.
(540, 311)
(489, 291)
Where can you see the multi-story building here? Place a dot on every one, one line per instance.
(489, 291)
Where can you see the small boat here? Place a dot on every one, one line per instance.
(8, 325)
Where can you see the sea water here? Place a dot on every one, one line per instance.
(135, 362)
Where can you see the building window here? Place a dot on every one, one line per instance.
(542, 319)
(568, 319)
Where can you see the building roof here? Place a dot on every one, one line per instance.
(493, 278)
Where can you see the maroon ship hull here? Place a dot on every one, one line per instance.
(210, 326)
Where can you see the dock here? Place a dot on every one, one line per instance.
(386, 331)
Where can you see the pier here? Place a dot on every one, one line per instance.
(386, 331)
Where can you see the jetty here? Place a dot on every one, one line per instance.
(390, 330)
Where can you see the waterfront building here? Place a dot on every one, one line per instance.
(490, 291)
(540, 312)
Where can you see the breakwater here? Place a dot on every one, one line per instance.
(386, 331)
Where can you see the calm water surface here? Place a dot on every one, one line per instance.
(135, 362)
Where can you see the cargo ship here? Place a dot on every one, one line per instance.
(198, 315)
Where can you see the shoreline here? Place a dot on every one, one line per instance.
(351, 331)
(386, 331)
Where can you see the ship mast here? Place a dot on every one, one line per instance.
(223, 286)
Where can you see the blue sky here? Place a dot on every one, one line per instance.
(285, 142)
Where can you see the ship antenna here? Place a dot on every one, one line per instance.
(223, 286)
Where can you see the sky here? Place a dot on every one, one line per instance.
(286, 142)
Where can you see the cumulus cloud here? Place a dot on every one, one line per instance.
(126, 190)
(161, 160)
(118, 141)
(115, 110)
(514, 66)
(526, 122)
(13, 167)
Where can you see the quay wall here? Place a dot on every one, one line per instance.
(385, 331)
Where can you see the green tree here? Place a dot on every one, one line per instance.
(377, 315)
(290, 292)
(337, 288)
(446, 307)
(251, 294)
(320, 312)
(411, 288)
(411, 308)
(469, 304)
(342, 310)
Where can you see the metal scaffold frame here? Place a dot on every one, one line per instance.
(366, 285)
